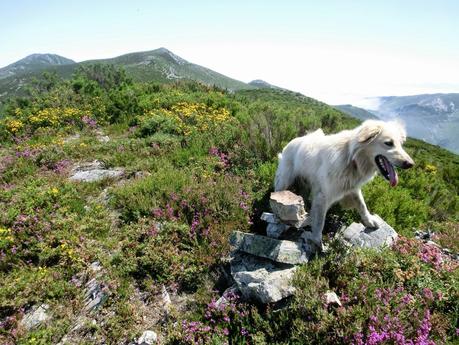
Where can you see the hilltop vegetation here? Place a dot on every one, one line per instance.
(198, 163)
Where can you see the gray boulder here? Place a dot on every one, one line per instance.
(282, 251)
(35, 316)
(358, 235)
(94, 171)
(260, 279)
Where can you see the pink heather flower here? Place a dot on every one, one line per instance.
(428, 294)
(89, 121)
(157, 213)
(407, 298)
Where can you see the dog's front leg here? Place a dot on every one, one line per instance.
(359, 203)
(319, 209)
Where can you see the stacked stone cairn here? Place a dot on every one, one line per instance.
(262, 266)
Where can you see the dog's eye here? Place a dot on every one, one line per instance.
(389, 143)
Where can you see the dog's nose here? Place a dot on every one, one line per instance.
(407, 164)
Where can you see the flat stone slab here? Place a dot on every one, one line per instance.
(260, 279)
(282, 251)
(288, 207)
(359, 236)
(94, 171)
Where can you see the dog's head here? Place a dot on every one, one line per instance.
(381, 142)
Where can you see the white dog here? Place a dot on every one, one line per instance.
(336, 166)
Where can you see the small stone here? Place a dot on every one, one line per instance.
(357, 235)
(260, 279)
(270, 218)
(288, 206)
(103, 138)
(331, 297)
(96, 266)
(275, 230)
(166, 299)
(282, 251)
(147, 338)
(72, 138)
(35, 316)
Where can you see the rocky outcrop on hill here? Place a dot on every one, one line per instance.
(262, 267)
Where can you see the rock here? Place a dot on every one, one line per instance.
(147, 338)
(270, 218)
(72, 138)
(282, 251)
(94, 171)
(166, 299)
(289, 207)
(103, 138)
(357, 235)
(274, 230)
(332, 298)
(260, 279)
(35, 316)
(94, 295)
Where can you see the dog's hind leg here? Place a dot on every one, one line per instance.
(318, 212)
(284, 175)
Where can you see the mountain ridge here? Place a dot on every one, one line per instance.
(160, 65)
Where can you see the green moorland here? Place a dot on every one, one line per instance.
(199, 163)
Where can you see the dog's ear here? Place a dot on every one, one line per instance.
(369, 131)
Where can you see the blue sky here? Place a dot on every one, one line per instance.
(336, 51)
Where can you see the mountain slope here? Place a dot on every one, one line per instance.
(159, 65)
(34, 63)
(163, 65)
(432, 117)
(358, 113)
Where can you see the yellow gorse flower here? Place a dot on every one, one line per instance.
(189, 118)
(13, 126)
(54, 116)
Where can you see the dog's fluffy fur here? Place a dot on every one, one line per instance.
(336, 166)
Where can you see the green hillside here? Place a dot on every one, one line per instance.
(160, 65)
(186, 164)
(356, 112)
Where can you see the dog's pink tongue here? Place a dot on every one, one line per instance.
(393, 177)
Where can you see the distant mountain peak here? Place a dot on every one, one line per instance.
(177, 59)
(44, 59)
(261, 84)
(34, 62)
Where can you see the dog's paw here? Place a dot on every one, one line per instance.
(312, 244)
(371, 222)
